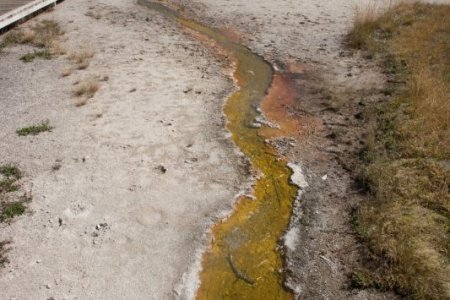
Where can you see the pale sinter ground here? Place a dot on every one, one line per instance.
(110, 223)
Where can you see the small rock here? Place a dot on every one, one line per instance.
(56, 167)
(255, 125)
(191, 160)
(101, 225)
(359, 116)
(161, 169)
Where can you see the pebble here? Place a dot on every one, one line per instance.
(162, 169)
(255, 125)
(101, 225)
(187, 90)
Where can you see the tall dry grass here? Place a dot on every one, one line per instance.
(406, 225)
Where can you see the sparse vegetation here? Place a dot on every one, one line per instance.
(10, 206)
(82, 58)
(29, 57)
(10, 171)
(10, 174)
(35, 129)
(11, 209)
(85, 90)
(8, 185)
(406, 225)
(44, 34)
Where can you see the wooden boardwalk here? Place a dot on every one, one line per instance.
(12, 11)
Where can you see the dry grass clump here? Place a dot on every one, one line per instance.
(366, 22)
(82, 58)
(66, 71)
(44, 34)
(85, 90)
(376, 23)
(406, 226)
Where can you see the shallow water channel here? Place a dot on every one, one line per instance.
(243, 261)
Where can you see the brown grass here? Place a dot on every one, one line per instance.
(406, 226)
(44, 34)
(82, 58)
(374, 24)
(81, 102)
(66, 71)
(366, 22)
(85, 90)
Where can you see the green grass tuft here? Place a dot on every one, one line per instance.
(29, 57)
(8, 185)
(35, 129)
(12, 209)
(10, 171)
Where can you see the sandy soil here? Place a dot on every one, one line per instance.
(146, 165)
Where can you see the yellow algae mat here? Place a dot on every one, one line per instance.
(242, 261)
